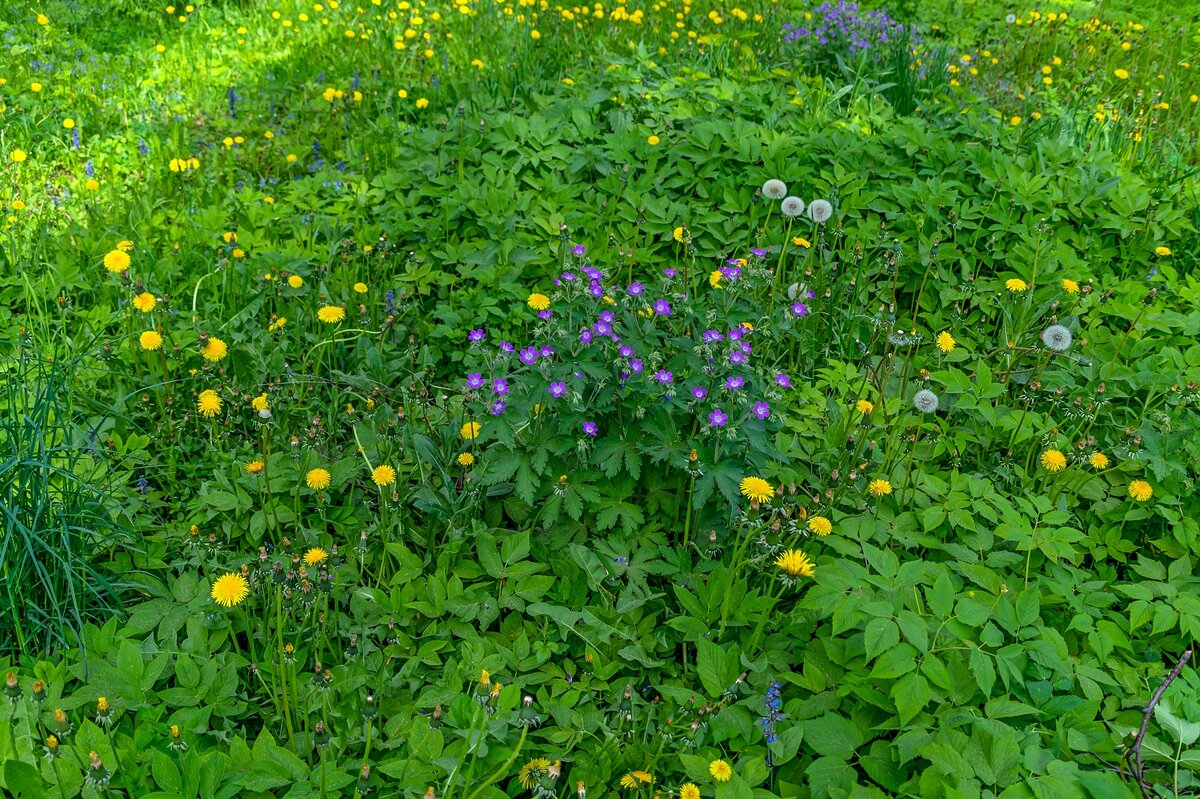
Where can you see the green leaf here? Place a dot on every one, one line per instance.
(984, 671)
(22, 778)
(911, 693)
(880, 635)
(832, 735)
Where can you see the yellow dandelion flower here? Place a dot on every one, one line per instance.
(260, 403)
(470, 430)
(820, 525)
(254, 467)
(757, 489)
(1070, 286)
(383, 475)
(1140, 490)
(946, 342)
(629, 781)
(1123, 74)
(1016, 285)
(800, 241)
(360, 288)
(538, 302)
(652, 141)
(720, 770)
(229, 589)
(1162, 250)
(531, 773)
(1054, 461)
(117, 261)
(315, 556)
(18, 155)
(145, 302)
(879, 488)
(714, 278)
(150, 340)
(214, 350)
(678, 233)
(317, 479)
(795, 564)
(864, 406)
(208, 403)
(689, 790)
(466, 459)
(1098, 461)
(295, 281)
(331, 314)
(643, 776)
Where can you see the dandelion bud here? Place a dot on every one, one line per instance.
(39, 691)
(12, 687)
(370, 710)
(581, 789)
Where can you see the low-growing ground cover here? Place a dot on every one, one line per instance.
(502, 399)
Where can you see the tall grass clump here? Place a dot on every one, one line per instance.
(59, 513)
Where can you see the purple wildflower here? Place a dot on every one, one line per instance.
(507, 348)
(547, 352)
(500, 386)
(799, 309)
(626, 351)
(578, 249)
(475, 380)
(759, 252)
(737, 357)
(546, 314)
(585, 336)
(663, 376)
(635, 289)
(498, 407)
(476, 335)
(529, 355)
(670, 271)
(762, 410)
(718, 417)
(568, 276)
(637, 366)
(734, 382)
(783, 380)
(713, 336)
(558, 389)
(699, 392)
(590, 429)
(662, 307)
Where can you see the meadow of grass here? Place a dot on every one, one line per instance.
(484, 398)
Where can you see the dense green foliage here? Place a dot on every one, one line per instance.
(435, 401)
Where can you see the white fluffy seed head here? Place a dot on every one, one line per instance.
(774, 189)
(925, 401)
(1057, 338)
(791, 206)
(820, 211)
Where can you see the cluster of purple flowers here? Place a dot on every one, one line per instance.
(844, 26)
(716, 389)
(773, 715)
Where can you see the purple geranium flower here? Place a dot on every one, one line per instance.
(529, 355)
(498, 407)
(475, 380)
(663, 376)
(783, 380)
(637, 366)
(568, 276)
(635, 289)
(662, 307)
(699, 392)
(759, 252)
(718, 417)
(579, 249)
(737, 357)
(500, 386)
(585, 336)
(762, 410)
(507, 348)
(546, 314)
(670, 271)
(626, 351)
(602, 328)
(608, 317)
(547, 352)
(734, 382)
(799, 309)
(713, 336)
(558, 389)
(476, 335)
(589, 428)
